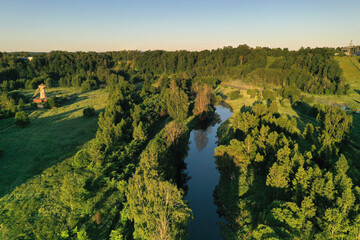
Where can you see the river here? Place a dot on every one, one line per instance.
(204, 177)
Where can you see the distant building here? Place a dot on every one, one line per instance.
(26, 58)
(351, 50)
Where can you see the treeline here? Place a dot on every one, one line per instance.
(280, 182)
(311, 70)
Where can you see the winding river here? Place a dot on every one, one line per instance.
(204, 177)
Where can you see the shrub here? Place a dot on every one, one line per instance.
(235, 95)
(22, 119)
(253, 93)
(48, 82)
(81, 159)
(50, 103)
(269, 95)
(89, 112)
(33, 105)
(88, 85)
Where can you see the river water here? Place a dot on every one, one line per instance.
(204, 177)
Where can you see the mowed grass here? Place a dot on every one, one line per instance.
(51, 136)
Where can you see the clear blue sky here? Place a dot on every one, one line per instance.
(77, 25)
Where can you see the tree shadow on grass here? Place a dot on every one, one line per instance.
(46, 141)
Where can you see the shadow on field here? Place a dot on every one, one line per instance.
(44, 142)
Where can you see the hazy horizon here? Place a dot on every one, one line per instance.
(172, 50)
(43, 26)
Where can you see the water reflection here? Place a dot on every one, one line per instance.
(201, 138)
(204, 177)
(203, 129)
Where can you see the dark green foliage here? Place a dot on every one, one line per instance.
(276, 184)
(21, 119)
(81, 159)
(336, 126)
(155, 204)
(88, 85)
(7, 105)
(85, 195)
(176, 101)
(51, 103)
(311, 70)
(89, 112)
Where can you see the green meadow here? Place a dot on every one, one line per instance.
(52, 136)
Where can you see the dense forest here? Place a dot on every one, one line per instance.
(277, 181)
(310, 70)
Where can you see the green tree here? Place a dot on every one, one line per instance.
(139, 133)
(22, 119)
(177, 104)
(157, 208)
(72, 191)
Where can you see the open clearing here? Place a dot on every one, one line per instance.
(351, 73)
(51, 136)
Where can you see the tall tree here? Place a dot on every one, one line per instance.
(157, 208)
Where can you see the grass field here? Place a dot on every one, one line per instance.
(51, 136)
(351, 73)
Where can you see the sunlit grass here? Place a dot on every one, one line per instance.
(52, 135)
(351, 73)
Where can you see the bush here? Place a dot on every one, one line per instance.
(50, 103)
(33, 105)
(89, 112)
(269, 95)
(253, 93)
(81, 159)
(235, 95)
(88, 85)
(21, 119)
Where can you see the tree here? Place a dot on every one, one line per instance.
(139, 133)
(73, 193)
(176, 103)
(51, 103)
(22, 119)
(157, 208)
(173, 131)
(277, 176)
(203, 99)
(336, 126)
(89, 112)
(244, 121)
